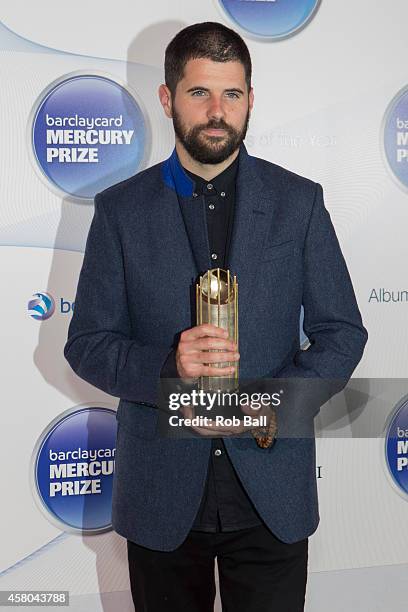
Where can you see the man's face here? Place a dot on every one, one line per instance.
(211, 109)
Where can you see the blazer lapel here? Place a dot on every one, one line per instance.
(192, 209)
(194, 215)
(254, 208)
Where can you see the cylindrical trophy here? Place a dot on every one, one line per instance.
(217, 303)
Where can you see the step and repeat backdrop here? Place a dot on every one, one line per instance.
(80, 112)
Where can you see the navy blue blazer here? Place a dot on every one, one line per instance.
(146, 246)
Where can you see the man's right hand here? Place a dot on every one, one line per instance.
(193, 352)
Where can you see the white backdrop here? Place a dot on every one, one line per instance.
(321, 96)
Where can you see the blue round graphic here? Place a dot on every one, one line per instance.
(396, 446)
(42, 307)
(270, 18)
(74, 468)
(88, 133)
(396, 136)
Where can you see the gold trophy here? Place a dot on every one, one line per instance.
(217, 303)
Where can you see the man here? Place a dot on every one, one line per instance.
(182, 502)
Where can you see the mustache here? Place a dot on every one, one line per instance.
(215, 125)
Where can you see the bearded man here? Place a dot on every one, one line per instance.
(181, 503)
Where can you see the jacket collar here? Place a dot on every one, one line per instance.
(175, 176)
(178, 179)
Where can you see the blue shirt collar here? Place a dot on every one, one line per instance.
(177, 178)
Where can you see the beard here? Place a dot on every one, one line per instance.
(209, 149)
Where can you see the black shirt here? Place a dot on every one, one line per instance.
(225, 505)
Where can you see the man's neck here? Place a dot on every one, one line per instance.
(206, 171)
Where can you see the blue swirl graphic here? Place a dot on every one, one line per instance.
(42, 307)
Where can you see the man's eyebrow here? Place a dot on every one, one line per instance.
(235, 89)
(231, 89)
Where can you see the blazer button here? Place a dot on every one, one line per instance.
(218, 452)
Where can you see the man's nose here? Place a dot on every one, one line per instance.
(215, 108)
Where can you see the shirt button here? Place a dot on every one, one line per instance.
(222, 194)
(195, 195)
(211, 206)
(210, 186)
(214, 256)
(218, 452)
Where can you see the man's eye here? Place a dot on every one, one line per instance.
(198, 92)
(232, 94)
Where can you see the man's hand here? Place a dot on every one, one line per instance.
(193, 352)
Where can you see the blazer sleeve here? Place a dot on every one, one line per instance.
(100, 347)
(332, 320)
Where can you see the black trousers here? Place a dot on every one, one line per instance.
(257, 573)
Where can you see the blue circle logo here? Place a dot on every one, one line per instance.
(74, 463)
(88, 133)
(396, 446)
(42, 307)
(270, 19)
(396, 137)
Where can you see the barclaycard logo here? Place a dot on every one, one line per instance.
(42, 306)
(87, 133)
(72, 469)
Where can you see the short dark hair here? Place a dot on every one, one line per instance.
(210, 40)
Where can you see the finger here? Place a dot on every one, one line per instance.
(213, 431)
(187, 411)
(193, 369)
(205, 432)
(209, 343)
(248, 409)
(215, 371)
(212, 357)
(205, 329)
(210, 425)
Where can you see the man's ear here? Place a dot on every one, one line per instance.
(251, 98)
(165, 100)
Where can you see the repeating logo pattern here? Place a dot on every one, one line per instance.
(396, 137)
(396, 446)
(73, 466)
(88, 133)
